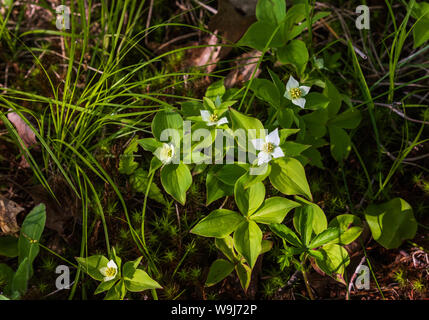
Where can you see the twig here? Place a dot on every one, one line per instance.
(212, 10)
(149, 17)
(352, 280)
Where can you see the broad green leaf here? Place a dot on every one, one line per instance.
(325, 237)
(247, 241)
(271, 11)
(149, 144)
(266, 91)
(216, 89)
(315, 101)
(176, 180)
(335, 99)
(229, 173)
(293, 149)
(250, 199)
(391, 223)
(130, 268)
(219, 270)
(105, 286)
(216, 189)
(335, 259)
(349, 119)
(315, 122)
(320, 223)
(9, 246)
(244, 274)
(350, 225)
(191, 108)
(166, 119)
(421, 27)
(303, 221)
(21, 277)
(31, 231)
(140, 281)
(92, 265)
(284, 232)
(226, 245)
(139, 181)
(295, 53)
(340, 143)
(241, 121)
(117, 292)
(274, 210)
(219, 223)
(266, 246)
(288, 176)
(6, 278)
(259, 34)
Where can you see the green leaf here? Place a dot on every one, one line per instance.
(139, 181)
(259, 34)
(266, 91)
(219, 270)
(21, 277)
(325, 237)
(335, 99)
(284, 232)
(219, 223)
(6, 278)
(117, 292)
(303, 221)
(127, 165)
(340, 143)
(166, 119)
(226, 245)
(315, 101)
(271, 11)
(391, 223)
(105, 286)
(320, 223)
(244, 274)
(274, 210)
(216, 189)
(149, 144)
(241, 121)
(288, 176)
(9, 246)
(351, 228)
(92, 265)
(230, 173)
(216, 89)
(31, 231)
(140, 281)
(295, 53)
(293, 149)
(421, 27)
(247, 241)
(335, 259)
(349, 119)
(176, 180)
(250, 199)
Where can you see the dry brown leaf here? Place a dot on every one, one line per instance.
(25, 133)
(246, 65)
(8, 212)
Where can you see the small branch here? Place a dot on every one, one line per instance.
(352, 280)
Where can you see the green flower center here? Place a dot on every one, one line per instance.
(170, 153)
(268, 147)
(295, 93)
(110, 272)
(214, 118)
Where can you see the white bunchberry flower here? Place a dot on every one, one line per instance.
(269, 147)
(212, 119)
(110, 271)
(165, 153)
(295, 92)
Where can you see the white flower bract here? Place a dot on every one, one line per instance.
(165, 153)
(295, 92)
(110, 271)
(212, 119)
(269, 147)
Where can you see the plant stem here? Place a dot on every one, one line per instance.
(307, 284)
